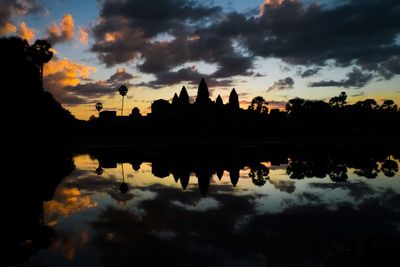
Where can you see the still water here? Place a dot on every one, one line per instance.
(111, 211)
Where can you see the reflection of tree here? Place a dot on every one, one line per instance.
(99, 170)
(368, 169)
(259, 174)
(338, 171)
(296, 170)
(389, 168)
(124, 188)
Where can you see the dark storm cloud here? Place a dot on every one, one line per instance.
(284, 84)
(356, 79)
(189, 74)
(309, 72)
(360, 33)
(16, 8)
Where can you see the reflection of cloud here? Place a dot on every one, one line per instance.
(164, 235)
(284, 185)
(66, 202)
(204, 204)
(68, 245)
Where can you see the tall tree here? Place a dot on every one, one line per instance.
(41, 54)
(123, 90)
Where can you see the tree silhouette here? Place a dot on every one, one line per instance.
(295, 106)
(388, 106)
(338, 101)
(233, 100)
(389, 168)
(136, 113)
(41, 54)
(99, 107)
(259, 105)
(123, 90)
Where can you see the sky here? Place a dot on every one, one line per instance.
(277, 49)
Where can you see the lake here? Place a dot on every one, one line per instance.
(303, 209)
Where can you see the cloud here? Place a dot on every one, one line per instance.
(298, 33)
(121, 77)
(309, 72)
(83, 36)
(284, 84)
(356, 78)
(15, 9)
(7, 28)
(61, 73)
(101, 88)
(26, 32)
(62, 32)
(134, 30)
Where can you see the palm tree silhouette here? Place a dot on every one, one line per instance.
(99, 107)
(41, 54)
(122, 91)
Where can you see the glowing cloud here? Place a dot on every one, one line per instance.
(64, 72)
(26, 32)
(62, 32)
(67, 202)
(7, 29)
(269, 3)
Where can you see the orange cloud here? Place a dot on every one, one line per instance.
(67, 202)
(26, 32)
(111, 37)
(62, 32)
(64, 72)
(270, 3)
(83, 36)
(7, 29)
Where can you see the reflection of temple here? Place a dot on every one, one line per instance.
(203, 163)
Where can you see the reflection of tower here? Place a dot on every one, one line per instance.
(184, 178)
(220, 173)
(234, 174)
(124, 186)
(204, 177)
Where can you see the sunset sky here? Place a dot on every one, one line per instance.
(277, 49)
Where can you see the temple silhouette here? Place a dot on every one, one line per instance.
(39, 116)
